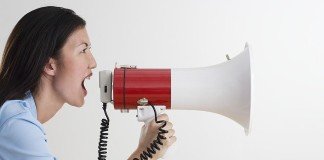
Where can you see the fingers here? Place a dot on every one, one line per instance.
(168, 126)
(163, 117)
(171, 140)
(170, 133)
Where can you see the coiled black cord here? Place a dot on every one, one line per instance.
(102, 147)
(154, 146)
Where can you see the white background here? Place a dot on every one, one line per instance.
(286, 44)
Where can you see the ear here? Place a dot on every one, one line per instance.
(50, 67)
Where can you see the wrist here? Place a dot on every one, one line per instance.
(137, 153)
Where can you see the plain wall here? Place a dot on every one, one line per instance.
(286, 43)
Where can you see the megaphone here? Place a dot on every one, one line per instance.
(224, 89)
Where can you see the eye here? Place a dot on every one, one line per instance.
(85, 49)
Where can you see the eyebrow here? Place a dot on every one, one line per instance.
(83, 43)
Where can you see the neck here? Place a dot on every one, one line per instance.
(48, 103)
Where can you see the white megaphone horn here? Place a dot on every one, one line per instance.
(223, 88)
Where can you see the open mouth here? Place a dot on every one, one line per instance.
(83, 83)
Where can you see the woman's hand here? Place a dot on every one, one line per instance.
(150, 132)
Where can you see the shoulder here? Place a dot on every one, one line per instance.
(18, 110)
(12, 108)
(16, 115)
(21, 134)
(20, 130)
(22, 139)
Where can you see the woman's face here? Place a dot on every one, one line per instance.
(74, 67)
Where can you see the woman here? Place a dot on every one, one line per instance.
(45, 62)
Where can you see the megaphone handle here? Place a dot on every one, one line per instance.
(146, 114)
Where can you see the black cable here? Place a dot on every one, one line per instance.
(102, 147)
(154, 146)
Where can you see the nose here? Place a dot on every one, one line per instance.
(92, 63)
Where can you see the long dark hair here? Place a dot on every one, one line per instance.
(37, 37)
